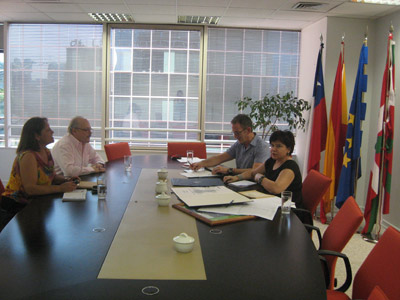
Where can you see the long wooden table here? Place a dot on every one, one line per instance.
(55, 250)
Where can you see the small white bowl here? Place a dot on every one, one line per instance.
(183, 243)
(161, 187)
(162, 174)
(163, 199)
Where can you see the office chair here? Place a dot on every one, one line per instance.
(335, 238)
(314, 188)
(180, 148)
(117, 150)
(380, 268)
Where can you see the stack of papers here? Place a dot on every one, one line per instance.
(184, 159)
(264, 208)
(242, 183)
(77, 195)
(195, 174)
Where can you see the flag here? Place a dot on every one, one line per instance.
(319, 127)
(352, 158)
(381, 173)
(336, 135)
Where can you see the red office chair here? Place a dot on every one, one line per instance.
(117, 150)
(380, 268)
(180, 148)
(314, 188)
(336, 236)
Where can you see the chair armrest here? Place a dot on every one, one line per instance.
(346, 260)
(311, 228)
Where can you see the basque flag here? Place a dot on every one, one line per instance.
(352, 158)
(378, 196)
(319, 125)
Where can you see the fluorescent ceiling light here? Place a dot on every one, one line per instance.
(386, 2)
(109, 17)
(198, 20)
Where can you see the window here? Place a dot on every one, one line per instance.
(55, 71)
(154, 86)
(1, 98)
(245, 63)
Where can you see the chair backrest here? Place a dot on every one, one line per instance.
(381, 267)
(180, 148)
(377, 294)
(314, 188)
(117, 150)
(340, 231)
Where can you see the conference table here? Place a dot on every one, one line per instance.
(55, 250)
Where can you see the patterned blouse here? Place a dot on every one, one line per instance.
(45, 172)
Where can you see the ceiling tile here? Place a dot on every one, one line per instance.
(159, 19)
(299, 16)
(248, 12)
(271, 4)
(218, 3)
(153, 9)
(70, 17)
(26, 17)
(104, 8)
(16, 7)
(59, 7)
(200, 11)
(151, 2)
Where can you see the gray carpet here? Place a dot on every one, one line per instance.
(357, 250)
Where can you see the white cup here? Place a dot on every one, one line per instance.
(128, 163)
(183, 243)
(162, 174)
(163, 199)
(101, 188)
(161, 187)
(286, 197)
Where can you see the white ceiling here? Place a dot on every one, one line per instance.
(234, 13)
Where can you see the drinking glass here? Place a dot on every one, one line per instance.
(101, 188)
(286, 197)
(128, 163)
(189, 156)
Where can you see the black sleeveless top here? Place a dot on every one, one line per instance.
(297, 183)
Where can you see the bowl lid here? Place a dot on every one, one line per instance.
(183, 238)
(163, 196)
(163, 170)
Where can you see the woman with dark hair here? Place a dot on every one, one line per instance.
(33, 169)
(280, 172)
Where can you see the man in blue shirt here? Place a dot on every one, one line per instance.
(250, 151)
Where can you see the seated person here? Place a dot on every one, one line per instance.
(280, 172)
(250, 151)
(33, 170)
(73, 155)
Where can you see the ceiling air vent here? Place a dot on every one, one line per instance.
(309, 6)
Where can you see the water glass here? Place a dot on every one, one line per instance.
(101, 189)
(190, 156)
(128, 163)
(286, 197)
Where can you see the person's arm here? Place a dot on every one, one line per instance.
(247, 174)
(240, 171)
(97, 163)
(284, 179)
(212, 161)
(29, 177)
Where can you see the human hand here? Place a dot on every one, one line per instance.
(257, 177)
(228, 179)
(68, 186)
(99, 168)
(196, 166)
(220, 170)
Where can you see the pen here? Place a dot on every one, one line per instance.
(230, 203)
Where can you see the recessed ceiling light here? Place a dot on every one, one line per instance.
(111, 18)
(386, 2)
(203, 20)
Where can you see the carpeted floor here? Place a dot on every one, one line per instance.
(356, 250)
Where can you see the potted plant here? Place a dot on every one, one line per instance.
(275, 108)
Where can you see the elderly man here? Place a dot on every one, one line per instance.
(250, 151)
(73, 155)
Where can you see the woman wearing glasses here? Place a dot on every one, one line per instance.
(33, 170)
(280, 172)
(73, 155)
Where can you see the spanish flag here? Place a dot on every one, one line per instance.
(336, 135)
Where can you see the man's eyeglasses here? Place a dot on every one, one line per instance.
(238, 132)
(85, 129)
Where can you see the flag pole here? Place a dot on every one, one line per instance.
(362, 101)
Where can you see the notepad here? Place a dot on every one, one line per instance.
(86, 184)
(77, 195)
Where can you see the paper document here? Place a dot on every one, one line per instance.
(253, 194)
(204, 196)
(77, 195)
(184, 159)
(194, 174)
(86, 184)
(264, 208)
(242, 183)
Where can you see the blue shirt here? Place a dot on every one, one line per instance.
(256, 152)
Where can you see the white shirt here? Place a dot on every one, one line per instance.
(72, 158)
